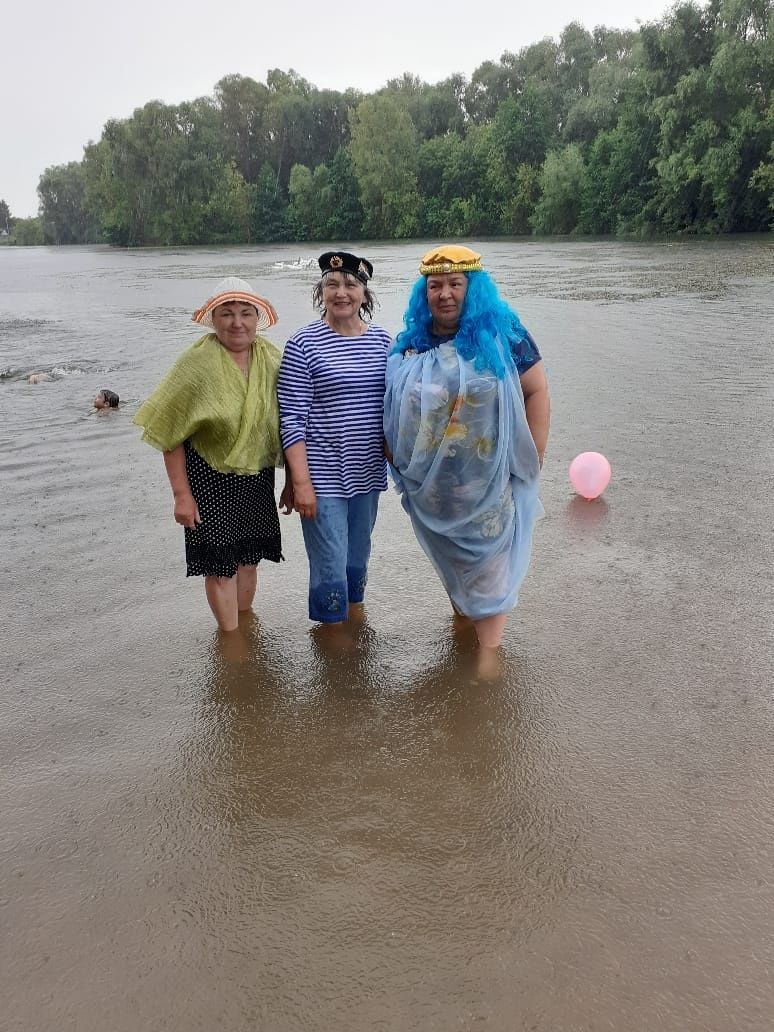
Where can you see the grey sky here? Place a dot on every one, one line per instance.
(67, 69)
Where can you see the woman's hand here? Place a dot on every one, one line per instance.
(305, 500)
(187, 511)
(286, 501)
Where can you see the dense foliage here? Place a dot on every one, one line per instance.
(667, 129)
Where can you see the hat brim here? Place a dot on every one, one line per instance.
(441, 268)
(267, 316)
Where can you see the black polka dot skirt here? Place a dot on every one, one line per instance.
(240, 523)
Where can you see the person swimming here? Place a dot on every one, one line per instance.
(106, 399)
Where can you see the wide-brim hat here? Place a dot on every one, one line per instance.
(234, 289)
(450, 258)
(343, 261)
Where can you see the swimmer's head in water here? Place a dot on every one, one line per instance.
(106, 399)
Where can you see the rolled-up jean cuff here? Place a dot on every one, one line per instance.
(357, 577)
(328, 602)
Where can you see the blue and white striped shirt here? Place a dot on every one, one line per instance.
(331, 395)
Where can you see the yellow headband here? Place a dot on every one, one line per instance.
(450, 258)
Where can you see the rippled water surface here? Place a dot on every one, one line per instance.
(375, 833)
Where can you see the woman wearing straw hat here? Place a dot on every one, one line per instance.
(331, 396)
(215, 418)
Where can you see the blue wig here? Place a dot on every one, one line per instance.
(485, 317)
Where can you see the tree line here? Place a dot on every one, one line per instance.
(665, 129)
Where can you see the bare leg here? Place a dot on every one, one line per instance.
(247, 582)
(222, 597)
(490, 630)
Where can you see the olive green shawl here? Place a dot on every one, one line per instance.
(231, 420)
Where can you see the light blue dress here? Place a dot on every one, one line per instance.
(467, 470)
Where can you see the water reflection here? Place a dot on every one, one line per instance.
(378, 783)
(581, 513)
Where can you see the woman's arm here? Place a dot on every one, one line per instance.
(295, 392)
(186, 509)
(304, 497)
(537, 404)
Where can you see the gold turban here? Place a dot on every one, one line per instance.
(450, 258)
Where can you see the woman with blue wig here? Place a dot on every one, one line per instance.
(466, 422)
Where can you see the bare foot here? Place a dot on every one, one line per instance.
(334, 639)
(233, 646)
(490, 664)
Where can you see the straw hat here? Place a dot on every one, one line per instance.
(234, 289)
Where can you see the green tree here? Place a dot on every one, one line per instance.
(269, 215)
(524, 129)
(151, 177)
(666, 129)
(304, 198)
(434, 109)
(65, 215)
(597, 111)
(762, 184)
(384, 155)
(5, 217)
(291, 123)
(577, 57)
(713, 131)
(228, 211)
(242, 103)
(344, 210)
(561, 185)
(27, 232)
(453, 181)
(330, 122)
(522, 200)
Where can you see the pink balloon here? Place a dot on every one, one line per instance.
(590, 474)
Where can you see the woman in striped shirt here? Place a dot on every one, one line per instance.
(331, 397)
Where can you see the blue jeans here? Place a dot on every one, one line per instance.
(338, 545)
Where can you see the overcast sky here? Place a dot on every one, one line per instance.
(67, 68)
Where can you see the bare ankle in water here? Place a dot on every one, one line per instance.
(489, 630)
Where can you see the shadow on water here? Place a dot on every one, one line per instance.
(581, 513)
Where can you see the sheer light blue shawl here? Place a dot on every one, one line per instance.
(467, 470)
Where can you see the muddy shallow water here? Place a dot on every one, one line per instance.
(377, 834)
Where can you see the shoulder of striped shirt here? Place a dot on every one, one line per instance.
(320, 329)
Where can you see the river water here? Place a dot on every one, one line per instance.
(380, 835)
